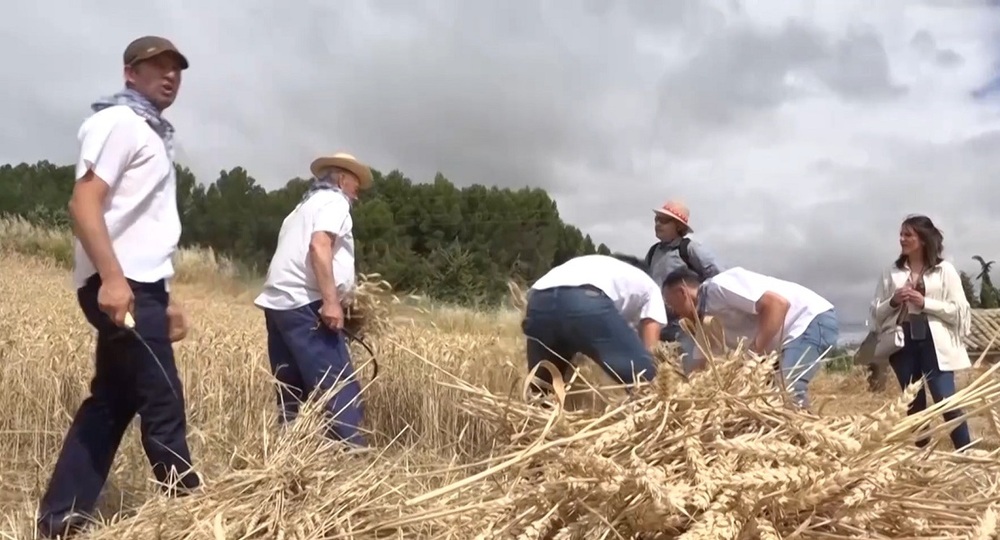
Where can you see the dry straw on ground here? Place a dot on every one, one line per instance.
(723, 456)
(459, 454)
(720, 456)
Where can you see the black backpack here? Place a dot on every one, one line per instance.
(683, 252)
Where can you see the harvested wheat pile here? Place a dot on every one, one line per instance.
(723, 457)
(718, 456)
(297, 485)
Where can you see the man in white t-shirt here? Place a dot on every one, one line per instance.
(600, 306)
(126, 224)
(775, 315)
(309, 283)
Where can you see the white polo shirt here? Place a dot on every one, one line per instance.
(635, 295)
(731, 298)
(141, 210)
(291, 282)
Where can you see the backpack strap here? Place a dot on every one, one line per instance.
(649, 254)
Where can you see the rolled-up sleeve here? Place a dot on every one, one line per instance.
(108, 143)
(332, 217)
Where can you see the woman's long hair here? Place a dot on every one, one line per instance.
(929, 235)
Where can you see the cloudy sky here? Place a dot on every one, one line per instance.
(800, 132)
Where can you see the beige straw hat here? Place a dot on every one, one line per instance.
(344, 161)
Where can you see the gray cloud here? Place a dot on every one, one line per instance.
(923, 42)
(738, 72)
(857, 67)
(799, 143)
(743, 74)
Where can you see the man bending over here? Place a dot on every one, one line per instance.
(775, 315)
(593, 305)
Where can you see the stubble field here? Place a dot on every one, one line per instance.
(446, 407)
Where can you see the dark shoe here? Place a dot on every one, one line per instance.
(70, 526)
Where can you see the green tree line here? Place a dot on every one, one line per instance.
(453, 244)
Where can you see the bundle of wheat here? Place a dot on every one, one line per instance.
(368, 313)
(719, 456)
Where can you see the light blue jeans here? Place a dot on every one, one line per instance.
(800, 358)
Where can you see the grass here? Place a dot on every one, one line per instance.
(445, 406)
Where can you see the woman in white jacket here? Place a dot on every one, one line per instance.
(921, 294)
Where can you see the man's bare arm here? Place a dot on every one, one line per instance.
(771, 310)
(321, 260)
(86, 210)
(649, 331)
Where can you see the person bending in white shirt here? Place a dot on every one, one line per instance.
(590, 305)
(775, 315)
(309, 282)
(126, 228)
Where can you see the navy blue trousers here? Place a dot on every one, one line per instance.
(305, 356)
(570, 320)
(917, 359)
(127, 380)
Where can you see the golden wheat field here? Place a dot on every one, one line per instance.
(459, 454)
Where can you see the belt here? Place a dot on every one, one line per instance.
(585, 286)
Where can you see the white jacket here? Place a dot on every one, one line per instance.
(948, 312)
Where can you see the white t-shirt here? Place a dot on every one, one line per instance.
(291, 282)
(731, 297)
(634, 293)
(141, 210)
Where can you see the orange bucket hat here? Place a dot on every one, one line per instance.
(675, 210)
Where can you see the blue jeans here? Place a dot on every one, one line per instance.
(800, 357)
(918, 358)
(127, 380)
(570, 320)
(305, 356)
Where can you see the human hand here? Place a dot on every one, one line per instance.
(332, 315)
(914, 298)
(115, 299)
(900, 295)
(178, 322)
